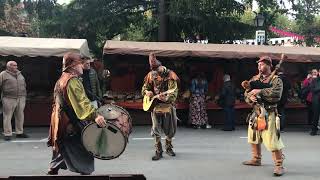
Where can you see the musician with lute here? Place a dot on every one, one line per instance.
(160, 90)
(264, 94)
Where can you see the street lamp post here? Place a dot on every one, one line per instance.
(260, 34)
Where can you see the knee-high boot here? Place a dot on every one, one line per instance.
(169, 147)
(158, 147)
(278, 160)
(256, 156)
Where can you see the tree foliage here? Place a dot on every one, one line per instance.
(13, 19)
(94, 20)
(99, 20)
(305, 12)
(140, 20)
(219, 20)
(271, 10)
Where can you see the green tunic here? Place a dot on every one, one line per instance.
(269, 136)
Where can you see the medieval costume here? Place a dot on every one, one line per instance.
(71, 112)
(163, 114)
(270, 135)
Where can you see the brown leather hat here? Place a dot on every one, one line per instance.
(70, 59)
(154, 63)
(265, 59)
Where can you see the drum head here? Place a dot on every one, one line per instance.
(112, 111)
(104, 143)
(108, 110)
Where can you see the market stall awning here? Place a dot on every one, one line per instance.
(46, 47)
(225, 51)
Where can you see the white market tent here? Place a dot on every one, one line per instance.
(44, 47)
(40, 60)
(224, 51)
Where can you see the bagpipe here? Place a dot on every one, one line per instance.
(255, 83)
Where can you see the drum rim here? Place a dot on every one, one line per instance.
(99, 157)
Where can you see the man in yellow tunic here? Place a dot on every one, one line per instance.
(270, 136)
(71, 112)
(163, 115)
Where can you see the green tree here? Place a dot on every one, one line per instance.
(94, 20)
(98, 20)
(219, 20)
(271, 10)
(305, 12)
(13, 18)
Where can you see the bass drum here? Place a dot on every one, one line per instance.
(109, 142)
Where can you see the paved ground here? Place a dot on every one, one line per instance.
(201, 155)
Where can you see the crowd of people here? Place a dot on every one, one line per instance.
(226, 99)
(77, 94)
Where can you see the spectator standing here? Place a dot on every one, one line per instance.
(198, 116)
(284, 97)
(226, 99)
(307, 93)
(91, 83)
(13, 93)
(315, 89)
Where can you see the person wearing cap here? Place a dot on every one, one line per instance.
(13, 93)
(227, 99)
(163, 115)
(91, 83)
(270, 136)
(72, 110)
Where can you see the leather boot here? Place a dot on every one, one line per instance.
(278, 160)
(169, 147)
(256, 156)
(53, 171)
(158, 153)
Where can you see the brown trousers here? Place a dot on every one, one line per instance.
(14, 107)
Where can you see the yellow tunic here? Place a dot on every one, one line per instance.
(79, 101)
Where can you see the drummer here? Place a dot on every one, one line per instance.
(163, 115)
(71, 111)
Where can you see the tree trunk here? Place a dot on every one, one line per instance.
(163, 20)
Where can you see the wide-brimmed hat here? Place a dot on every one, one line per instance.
(70, 59)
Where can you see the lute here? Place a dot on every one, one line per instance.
(148, 101)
